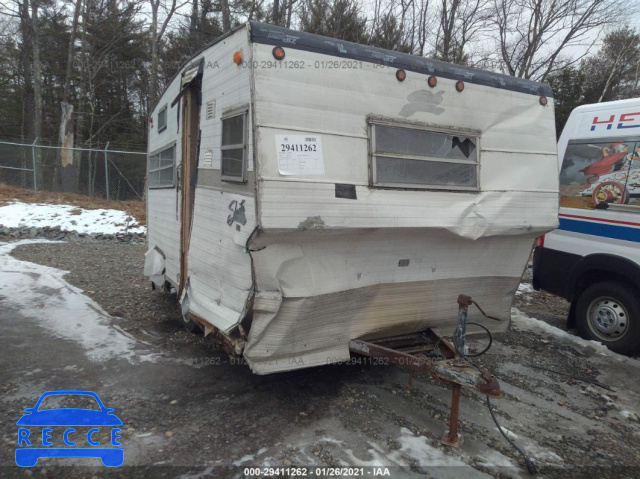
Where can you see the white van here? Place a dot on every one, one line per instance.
(593, 258)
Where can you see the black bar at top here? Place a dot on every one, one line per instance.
(286, 38)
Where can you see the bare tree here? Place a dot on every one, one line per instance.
(416, 19)
(622, 59)
(460, 21)
(156, 33)
(64, 158)
(531, 34)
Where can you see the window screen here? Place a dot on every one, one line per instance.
(162, 119)
(234, 148)
(410, 157)
(162, 168)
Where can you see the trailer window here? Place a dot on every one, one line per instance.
(162, 119)
(412, 157)
(234, 148)
(162, 167)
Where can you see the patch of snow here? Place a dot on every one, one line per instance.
(522, 322)
(524, 288)
(250, 457)
(69, 218)
(40, 293)
(510, 435)
(544, 455)
(494, 459)
(243, 459)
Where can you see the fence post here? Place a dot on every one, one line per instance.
(33, 158)
(106, 169)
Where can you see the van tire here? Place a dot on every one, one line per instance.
(609, 312)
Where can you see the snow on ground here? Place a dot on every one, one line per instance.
(69, 218)
(524, 288)
(522, 322)
(40, 293)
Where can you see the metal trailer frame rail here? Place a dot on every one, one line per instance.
(428, 351)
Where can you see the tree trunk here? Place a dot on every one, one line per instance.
(65, 176)
(226, 15)
(153, 77)
(37, 85)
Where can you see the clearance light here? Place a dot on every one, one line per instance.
(540, 241)
(543, 100)
(432, 81)
(401, 75)
(237, 57)
(278, 53)
(459, 86)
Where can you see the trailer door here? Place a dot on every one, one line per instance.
(191, 98)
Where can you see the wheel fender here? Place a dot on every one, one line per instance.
(617, 265)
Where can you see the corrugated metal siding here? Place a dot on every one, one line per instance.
(227, 84)
(164, 228)
(316, 330)
(219, 265)
(286, 204)
(317, 289)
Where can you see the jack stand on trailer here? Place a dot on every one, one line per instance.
(428, 351)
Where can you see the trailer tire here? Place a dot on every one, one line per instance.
(609, 312)
(189, 324)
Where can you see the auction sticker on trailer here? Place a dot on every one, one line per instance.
(299, 154)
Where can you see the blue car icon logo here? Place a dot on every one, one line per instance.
(75, 428)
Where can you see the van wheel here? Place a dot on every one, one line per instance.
(189, 324)
(609, 312)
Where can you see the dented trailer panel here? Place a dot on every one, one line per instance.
(318, 255)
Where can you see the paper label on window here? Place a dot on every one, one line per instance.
(207, 161)
(299, 154)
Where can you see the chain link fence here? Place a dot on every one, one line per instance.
(110, 174)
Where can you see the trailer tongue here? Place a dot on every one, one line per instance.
(428, 351)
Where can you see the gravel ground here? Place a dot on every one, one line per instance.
(572, 426)
(111, 274)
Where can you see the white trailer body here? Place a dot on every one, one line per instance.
(299, 203)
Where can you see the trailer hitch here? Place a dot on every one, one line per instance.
(428, 351)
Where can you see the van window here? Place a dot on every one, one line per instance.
(603, 171)
(162, 168)
(234, 148)
(162, 119)
(406, 156)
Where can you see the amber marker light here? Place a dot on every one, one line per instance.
(459, 86)
(278, 53)
(432, 81)
(543, 100)
(401, 75)
(237, 57)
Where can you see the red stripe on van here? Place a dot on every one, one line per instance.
(601, 220)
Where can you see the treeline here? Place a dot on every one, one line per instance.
(88, 72)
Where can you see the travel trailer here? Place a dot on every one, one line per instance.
(304, 192)
(593, 258)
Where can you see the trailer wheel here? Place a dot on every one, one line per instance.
(189, 324)
(609, 312)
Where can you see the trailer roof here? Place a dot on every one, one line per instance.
(286, 38)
